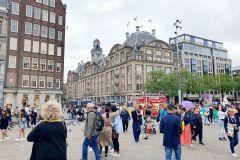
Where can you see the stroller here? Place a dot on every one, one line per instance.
(149, 126)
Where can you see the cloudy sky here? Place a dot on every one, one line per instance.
(107, 20)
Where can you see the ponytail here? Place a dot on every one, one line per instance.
(107, 114)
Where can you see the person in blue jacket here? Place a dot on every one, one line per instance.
(125, 119)
(171, 128)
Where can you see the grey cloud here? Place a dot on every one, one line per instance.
(106, 19)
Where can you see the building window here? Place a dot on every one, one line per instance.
(58, 83)
(28, 28)
(167, 54)
(36, 30)
(149, 70)
(58, 68)
(49, 82)
(158, 53)
(25, 80)
(15, 8)
(42, 64)
(27, 45)
(29, 11)
(13, 43)
(149, 51)
(43, 48)
(50, 65)
(14, 25)
(59, 35)
(44, 32)
(26, 62)
(139, 70)
(37, 13)
(34, 81)
(168, 70)
(50, 49)
(139, 87)
(39, 1)
(12, 62)
(52, 3)
(45, 15)
(41, 82)
(34, 63)
(45, 2)
(60, 20)
(52, 33)
(59, 51)
(35, 47)
(52, 17)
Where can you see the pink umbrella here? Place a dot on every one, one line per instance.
(188, 105)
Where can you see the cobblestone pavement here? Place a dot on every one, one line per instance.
(150, 149)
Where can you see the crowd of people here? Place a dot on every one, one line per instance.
(104, 123)
(26, 117)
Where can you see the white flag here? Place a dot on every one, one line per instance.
(135, 18)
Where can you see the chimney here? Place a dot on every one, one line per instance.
(137, 28)
(127, 35)
(154, 32)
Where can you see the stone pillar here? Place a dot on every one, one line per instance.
(31, 99)
(19, 98)
(52, 97)
(42, 99)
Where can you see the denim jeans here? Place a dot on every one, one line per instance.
(233, 141)
(94, 144)
(221, 128)
(177, 151)
(136, 131)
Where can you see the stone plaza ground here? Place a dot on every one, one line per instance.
(150, 149)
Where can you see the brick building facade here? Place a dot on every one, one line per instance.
(35, 59)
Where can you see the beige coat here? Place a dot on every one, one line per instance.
(105, 138)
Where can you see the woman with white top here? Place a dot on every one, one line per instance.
(221, 116)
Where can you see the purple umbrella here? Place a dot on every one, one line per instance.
(187, 104)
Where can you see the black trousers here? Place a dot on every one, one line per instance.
(197, 132)
(106, 150)
(125, 125)
(210, 118)
(116, 143)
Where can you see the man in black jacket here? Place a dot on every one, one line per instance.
(197, 126)
(137, 122)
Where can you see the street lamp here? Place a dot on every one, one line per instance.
(178, 26)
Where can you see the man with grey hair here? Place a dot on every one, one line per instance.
(90, 133)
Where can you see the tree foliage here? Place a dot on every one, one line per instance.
(169, 83)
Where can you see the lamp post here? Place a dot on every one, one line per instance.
(178, 26)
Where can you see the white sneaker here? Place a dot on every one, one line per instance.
(1, 140)
(23, 139)
(111, 151)
(235, 155)
(7, 139)
(17, 139)
(191, 145)
(116, 155)
(90, 149)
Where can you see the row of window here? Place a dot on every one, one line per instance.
(46, 15)
(37, 13)
(50, 3)
(35, 47)
(40, 82)
(36, 30)
(40, 64)
(37, 64)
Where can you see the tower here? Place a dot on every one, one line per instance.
(96, 52)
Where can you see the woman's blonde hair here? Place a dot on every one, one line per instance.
(230, 110)
(51, 110)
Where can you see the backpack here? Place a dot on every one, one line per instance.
(99, 122)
